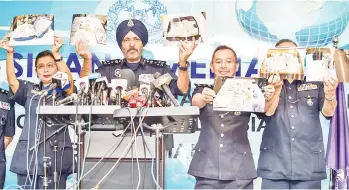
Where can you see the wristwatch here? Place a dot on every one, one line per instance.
(184, 68)
(58, 60)
(331, 99)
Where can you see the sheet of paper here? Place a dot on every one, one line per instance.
(34, 29)
(288, 62)
(177, 27)
(320, 64)
(241, 94)
(91, 28)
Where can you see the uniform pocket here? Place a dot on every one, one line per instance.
(309, 102)
(243, 159)
(317, 156)
(267, 153)
(3, 117)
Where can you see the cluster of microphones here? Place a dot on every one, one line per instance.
(152, 90)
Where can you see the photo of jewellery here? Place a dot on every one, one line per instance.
(26, 28)
(91, 28)
(341, 62)
(287, 62)
(240, 94)
(320, 60)
(184, 28)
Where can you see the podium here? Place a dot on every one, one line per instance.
(159, 120)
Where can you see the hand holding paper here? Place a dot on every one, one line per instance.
(186, 49)
(208, 95)
(330, 86)
(5, 45)
(57, 44)
(81, 48)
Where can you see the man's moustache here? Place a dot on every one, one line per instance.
(131, 50)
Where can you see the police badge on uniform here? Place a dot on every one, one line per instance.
(117, 73)
(4, 105)
(309, 101)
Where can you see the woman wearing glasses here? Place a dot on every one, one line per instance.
(27, 161)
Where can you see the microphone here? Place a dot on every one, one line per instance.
(92, 80)
(84, 85)
(145, 81)
(62, 80)
(119, 85)
(68, 99)
(102, 84)
(161, 82)
(129, 75)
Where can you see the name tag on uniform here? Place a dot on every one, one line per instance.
(305, 87)
(4, 105)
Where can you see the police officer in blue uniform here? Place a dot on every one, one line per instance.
(26, 163)
(223, 158)
(292, 148)
(132, 36)
(7, 130)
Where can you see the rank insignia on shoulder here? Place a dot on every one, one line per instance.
(155, 63)
(112, 62)
(237, 113)
(309, 86)
(4, 91)
(4, 105)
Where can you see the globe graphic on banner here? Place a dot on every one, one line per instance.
(309, 23)
(147, 11)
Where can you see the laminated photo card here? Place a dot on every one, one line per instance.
(184, 27)
(91, 28)
(34, 29)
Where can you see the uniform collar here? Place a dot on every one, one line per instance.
(141, 62)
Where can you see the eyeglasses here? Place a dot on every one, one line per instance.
(49, 66)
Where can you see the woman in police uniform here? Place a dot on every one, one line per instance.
(223, 158)
(24, 164)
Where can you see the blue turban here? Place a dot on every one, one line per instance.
(133, 25)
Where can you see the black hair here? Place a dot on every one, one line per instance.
(223, 47)
(43, 54)
(285, 40)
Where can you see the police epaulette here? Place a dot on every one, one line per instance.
(203, 85)
(155, 63)
(4, 91)
(112, 62)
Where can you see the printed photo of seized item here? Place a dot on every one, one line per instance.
(341, 62)
(183, 28)
(287, 62)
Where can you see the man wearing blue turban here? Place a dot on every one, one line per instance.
(132, 36)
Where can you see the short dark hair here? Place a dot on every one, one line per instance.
(285, 40)
(43, 54)
(223, 47)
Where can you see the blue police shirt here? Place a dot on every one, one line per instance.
(64, 153)
(223, 151)
(292, 144)
(145, 66)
